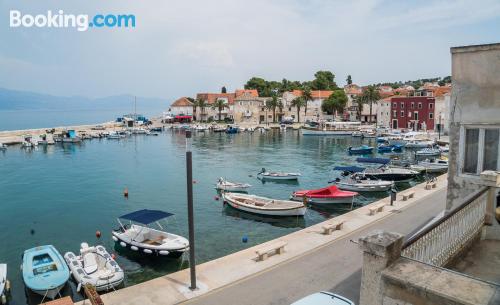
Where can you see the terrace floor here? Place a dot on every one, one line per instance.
(482, 261)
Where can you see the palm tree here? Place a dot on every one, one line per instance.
(202, 104)
(359, 101)
(307, 97)
(280, 107)
(298, 102)
(220, 105)
(195, 104)
(271, 105)
(371, 95)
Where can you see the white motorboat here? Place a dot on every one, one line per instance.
(431, 166)
(331, 129)
(224, 185)
(428, 152)
(363, 185)
(392, 173)
(419, 143)
(113, 135)
(4, 284)
(264, 206)
(265, 175)
(94, 266)
(357, 134)
(146, 240)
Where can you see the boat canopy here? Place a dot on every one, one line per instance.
(352, 169)
(146, 216)
(374, 160)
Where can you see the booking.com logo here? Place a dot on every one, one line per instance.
(61, 20)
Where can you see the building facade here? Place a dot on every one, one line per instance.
(384, 113)
(413, 113)
(181, 106)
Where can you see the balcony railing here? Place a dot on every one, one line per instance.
(439, 243)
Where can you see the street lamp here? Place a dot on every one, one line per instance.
(189, 174)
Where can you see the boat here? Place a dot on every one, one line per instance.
(381, 139)
(363, 185)
(419, 143)
(388, 173)
(265, 175)
(28, 142)
(445, 149)
(373, 160)
(44, 271)
(329, 194)
(361, 150)
(428, 152)
(148, 241)
(70, 136)
(224, 185)
(369, 134)
(4, 284)
(94, 266)
(431, 166)
(384, 148)
(231, 129)
(200, 128)
(3, 146)
(264, 206)
(357, 134)
(113, 135)
(331, 129)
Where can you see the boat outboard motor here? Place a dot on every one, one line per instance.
(263, 170)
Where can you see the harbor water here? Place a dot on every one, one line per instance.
(63, 194)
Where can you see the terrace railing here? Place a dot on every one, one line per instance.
(439, 243)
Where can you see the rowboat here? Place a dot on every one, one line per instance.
(94, 266)
(428, 152)
(329, 194)
(225, 185)
(263, 205)
(265, 175)
(361, 150)
(138, 236)
(44, 271)
(363, 185)
(4, 284)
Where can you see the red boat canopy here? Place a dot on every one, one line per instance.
(180, 117)
(326, 192)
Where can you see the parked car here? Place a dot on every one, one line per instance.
(324, 298)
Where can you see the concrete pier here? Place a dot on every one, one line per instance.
(312, 261)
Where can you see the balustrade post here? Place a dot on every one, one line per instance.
(380, 250)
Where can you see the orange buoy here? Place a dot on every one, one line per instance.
(125, 192)
(98, 234)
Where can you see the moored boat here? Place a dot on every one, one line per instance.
(397, 174)
(361, 150)
(224, 185)
(266, 175)
(44, 271)
(331, 129)
(94, 266)
(148, 241)
(363, 185)
(3, 146)
(4, 284)
(329, 194)
(232, 129)
(264, 206)
(431, 166)
(428, 152)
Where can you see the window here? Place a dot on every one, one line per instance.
(471, 151)
(415, 115)
(431, 115)
(290, 109)
(412, 105)
(402, 105)
(394, 105)
(419, 105)
(262, 109)
(402, 114)
(431, 105)
(490, 157)
(394, 113)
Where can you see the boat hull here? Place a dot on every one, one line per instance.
(265, 177)
(364, 187)
(144, 249)
(51, 293)
(324, 200)
(299, 211)
(319, 132)
(232, 188)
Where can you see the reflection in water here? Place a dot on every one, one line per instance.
(282, 222)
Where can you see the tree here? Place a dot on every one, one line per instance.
(281, 106)
(195, 104)
(298, 102)
(307, 97)
(324, 80)
(335, 103)
(349, 80)
(271, 105)
(258, 84)
(223, 89)
(360, 102)
(370, 96)
(220, 104)
(202, 104)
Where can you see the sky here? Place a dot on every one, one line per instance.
(179, 48)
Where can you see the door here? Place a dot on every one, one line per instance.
(394, 124)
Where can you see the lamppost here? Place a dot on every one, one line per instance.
(189, 174)
(439, 130)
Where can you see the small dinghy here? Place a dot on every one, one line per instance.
(431, 166)
(94, 266)
(44, 271)
(264, 206)
(361, 150)
(428, 152)
(227, 186)
(265, 175)
(4, 284)
(330, 194)
(357, 184)
(146, 240)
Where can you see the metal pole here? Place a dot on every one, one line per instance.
(439, 131)
(189, 174)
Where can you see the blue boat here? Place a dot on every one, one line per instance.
(44, 271)
(385, 148)
(232, 129)
(361, 150)
(397, 147)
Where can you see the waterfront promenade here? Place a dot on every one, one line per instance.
(312, 261)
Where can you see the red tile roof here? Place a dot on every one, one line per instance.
(314, 93)
(210, 98)
(253, 92)
(182, 102)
